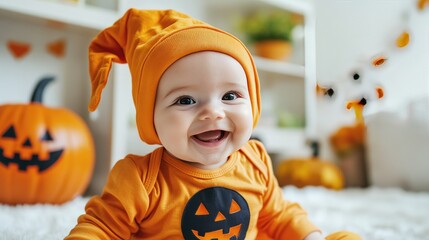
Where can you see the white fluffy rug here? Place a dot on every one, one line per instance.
(376, 214)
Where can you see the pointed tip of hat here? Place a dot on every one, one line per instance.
(92, 106)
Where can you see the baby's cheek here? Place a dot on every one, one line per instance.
(244, 120)
(247, 113)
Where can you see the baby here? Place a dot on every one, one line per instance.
(196, 93)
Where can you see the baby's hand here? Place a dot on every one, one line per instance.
(314, 236)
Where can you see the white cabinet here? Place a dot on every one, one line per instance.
(286, 87)
(112, 125)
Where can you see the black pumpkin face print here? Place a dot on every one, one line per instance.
(216, 213)
(41, 165)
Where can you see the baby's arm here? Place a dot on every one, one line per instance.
(279, 218)
(316, 235)
(114, 214)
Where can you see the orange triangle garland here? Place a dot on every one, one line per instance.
(358, 109)
(18, 49)
(57, 48)
(378, 61)
(403, 40)
(422, 4)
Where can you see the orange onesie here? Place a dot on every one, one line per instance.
(185, 202)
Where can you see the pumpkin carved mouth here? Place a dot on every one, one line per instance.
(34, 161)
(216, 213)
(219, 234)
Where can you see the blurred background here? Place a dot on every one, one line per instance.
(348, 84)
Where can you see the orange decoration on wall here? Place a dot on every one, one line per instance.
(403, 40)
(378, 61)
(422, 4)
(380, 92)
(321, 91)
(358, 108)
(18, 49)
(57, 48)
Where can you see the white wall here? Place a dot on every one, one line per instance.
(20, 76)
(349, 34)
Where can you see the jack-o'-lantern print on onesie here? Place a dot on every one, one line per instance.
(216, 213)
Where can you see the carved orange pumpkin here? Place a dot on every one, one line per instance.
(46, 154)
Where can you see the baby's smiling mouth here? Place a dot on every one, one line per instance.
(211, 136)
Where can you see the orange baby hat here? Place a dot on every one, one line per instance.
(150, 41)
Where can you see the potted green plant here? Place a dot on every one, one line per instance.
(270, 33)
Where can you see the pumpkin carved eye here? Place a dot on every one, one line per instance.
(46, 137)
(10, 133)
(234, 207)
(202, 210)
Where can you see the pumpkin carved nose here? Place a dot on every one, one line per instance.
(27, 143)
(219, 217)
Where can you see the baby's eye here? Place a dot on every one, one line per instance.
(230, 96)
(185, 100)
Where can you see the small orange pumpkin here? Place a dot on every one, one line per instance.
(46, 154)
(302, 172)
(310, 172)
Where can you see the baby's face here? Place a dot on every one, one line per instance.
(203, 111)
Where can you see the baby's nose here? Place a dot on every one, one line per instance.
(212, 111)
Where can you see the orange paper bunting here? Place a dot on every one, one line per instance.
(380, 92)
(18, 49)
(57, 48)
(378, 61)
(422, 4)
(320, 91)
(403, 40)
(357, 106)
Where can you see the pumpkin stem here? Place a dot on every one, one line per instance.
(40, 87)
(315, 148)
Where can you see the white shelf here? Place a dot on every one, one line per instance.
(291, 5)
(87, 17)
(280, 67)
(289, 142)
